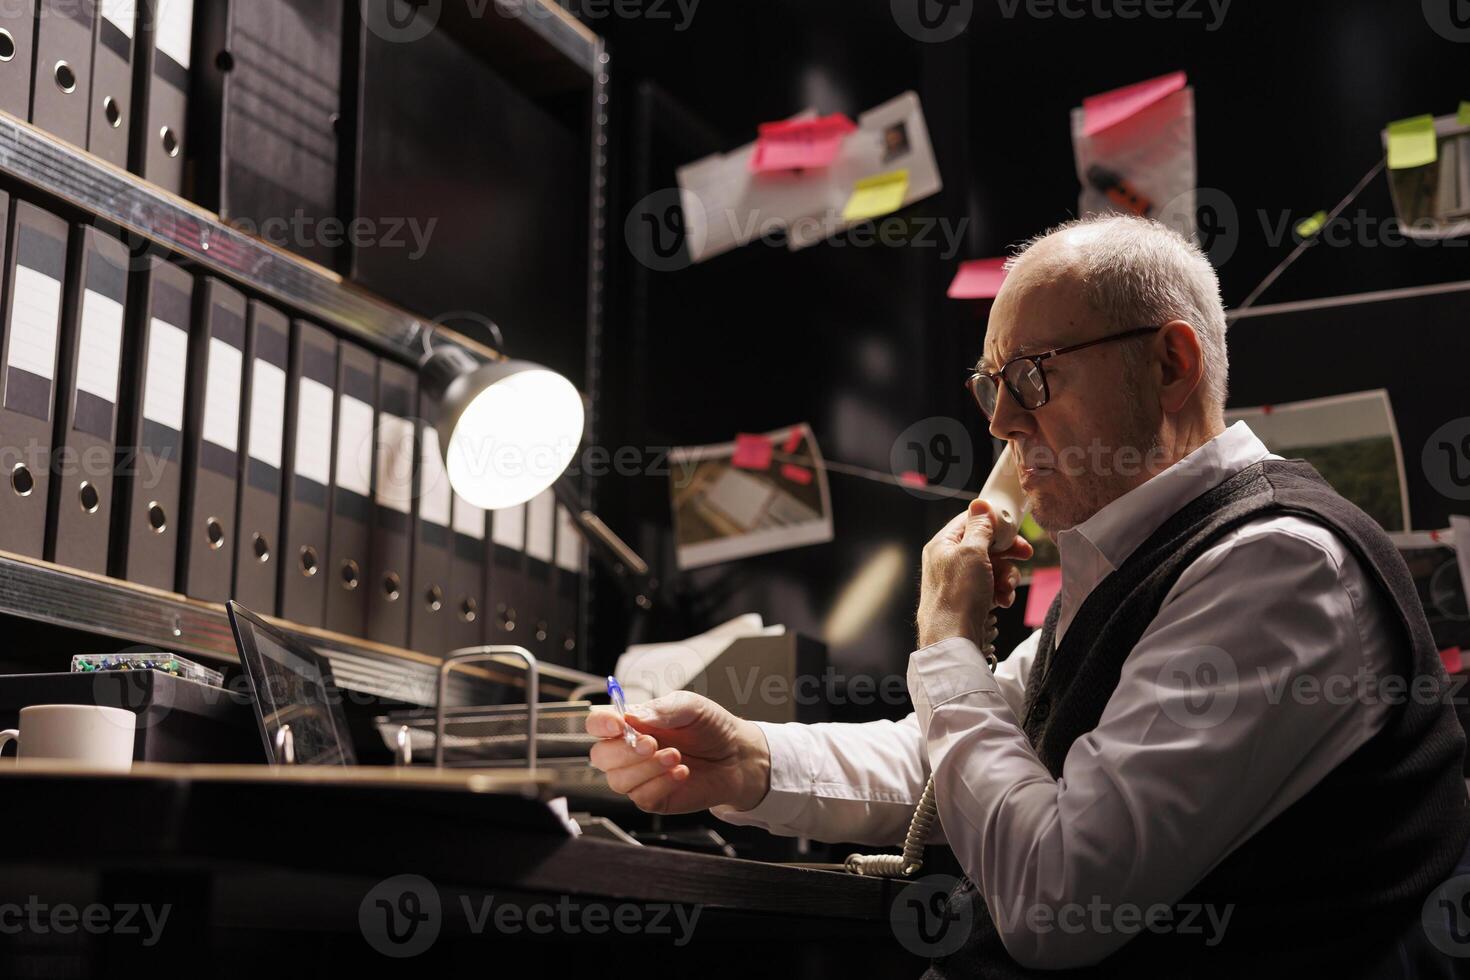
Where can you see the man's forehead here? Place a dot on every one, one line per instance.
(1035, 312)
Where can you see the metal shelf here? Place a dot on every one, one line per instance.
(48, 593)
(541, 44)
(186, 230)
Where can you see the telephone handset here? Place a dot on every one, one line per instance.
(1008, 503)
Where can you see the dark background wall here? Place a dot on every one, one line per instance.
(861, 343)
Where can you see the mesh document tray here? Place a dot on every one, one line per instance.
(494, 734)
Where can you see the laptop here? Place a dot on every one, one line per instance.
(292, 685)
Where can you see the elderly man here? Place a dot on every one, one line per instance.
(1217, 756)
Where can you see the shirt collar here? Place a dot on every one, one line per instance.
(1114, 532)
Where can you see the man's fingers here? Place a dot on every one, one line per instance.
(626, 778)
(979, 525)
(603, 722)
(652, 796)
(610, 753)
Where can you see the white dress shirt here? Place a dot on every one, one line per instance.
(1157, 794)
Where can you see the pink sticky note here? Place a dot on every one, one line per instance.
(1045, 584)
(978, 279)
(752, 452)
(1110, 108)
(800, 144)
(793, 441)
(1454, 661)
(913, 478)
(797, 474)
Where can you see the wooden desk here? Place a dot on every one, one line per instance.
(259, 863)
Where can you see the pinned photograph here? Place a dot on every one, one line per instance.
(759, 494)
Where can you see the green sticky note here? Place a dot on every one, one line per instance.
(1463, 117)
(1411, 143)
(1030, 530)
(1308, 227)
(873, 197)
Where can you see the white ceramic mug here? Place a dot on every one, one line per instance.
(91, 733)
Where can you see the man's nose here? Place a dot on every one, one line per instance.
(1010, 420)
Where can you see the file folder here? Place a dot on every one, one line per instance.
(18, 39)
(428, 616)
(266, 138)
(506, 588)
(467, 576)
(310, 414)
(390, 585)
(35, 268)
(150, 459)
(86, 412)
(61, 85)
(349, 524)
(111, 109)
(212, 442)
(164, 52)
(540, 596)
(571, 567)
(262, 438)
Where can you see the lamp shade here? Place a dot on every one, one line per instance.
(507, 429)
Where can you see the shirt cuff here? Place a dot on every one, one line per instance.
(943, 671)
(791, 780)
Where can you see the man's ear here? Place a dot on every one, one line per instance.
(1181, 362)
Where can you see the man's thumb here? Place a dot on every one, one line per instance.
(980, 524)
(673, 710)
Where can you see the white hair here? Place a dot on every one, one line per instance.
(1137, 273)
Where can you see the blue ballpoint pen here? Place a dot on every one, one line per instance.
(615, 691)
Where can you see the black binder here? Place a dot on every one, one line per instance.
(310, 414)
(540, 586)
(349, 533)
(161, 94)
(212, 442)
(390, 587)
(467, 576)
(505, 601)
(428, 617)
(62, 81)
(571, 566)
(112, 81)
(150, 456)
(266, 139)
(18, 37)
(262, 436)
(35, 268)
(86, 410)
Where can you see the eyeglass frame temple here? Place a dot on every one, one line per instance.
(1036, 359)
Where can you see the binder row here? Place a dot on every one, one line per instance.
(166, 429)
(110, 76)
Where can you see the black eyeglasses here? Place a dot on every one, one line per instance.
(1026, 379)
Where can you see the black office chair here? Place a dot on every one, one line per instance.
(1446, 955)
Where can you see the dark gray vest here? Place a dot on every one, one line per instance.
(1325, 886)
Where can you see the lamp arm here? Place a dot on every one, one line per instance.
(608, 548)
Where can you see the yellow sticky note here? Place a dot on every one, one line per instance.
(1411, 142)
(1463, 116)
(873, 197)
(1308, 227)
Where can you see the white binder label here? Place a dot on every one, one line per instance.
(469, 520)
(569, 545)
(33, 323)
(540, 522)
(314, 431)
(168, 358)
(175, 29)
(395, 463)
(222, 395)
(509, 529)
(123, 14)
(354, 445)
(434, 494)
(267, 412)
(100, 346)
